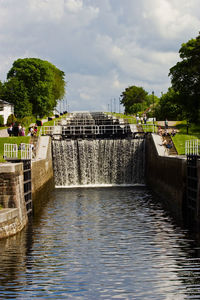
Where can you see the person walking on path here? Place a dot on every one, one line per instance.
(166, 124)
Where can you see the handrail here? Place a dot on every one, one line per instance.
(192, 147)
(23, 152)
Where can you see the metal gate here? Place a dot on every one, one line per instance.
(192, 188)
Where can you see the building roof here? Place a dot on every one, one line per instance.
(5, 102)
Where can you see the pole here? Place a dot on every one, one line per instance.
(119, 105)
(111, 105)
(153, 105)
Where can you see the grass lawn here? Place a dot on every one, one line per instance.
(12, 140)
(181, 137)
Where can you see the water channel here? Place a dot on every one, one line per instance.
(100, 243)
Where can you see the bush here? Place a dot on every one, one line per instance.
(11, 119)
(1, 121)
(26, 121)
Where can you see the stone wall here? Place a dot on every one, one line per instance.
(13, 218)
(42, 171)
(167, 177)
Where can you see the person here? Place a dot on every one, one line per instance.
(10, 130)
(137, 119)
(166, 124)
(166, 133)
(160, 131)
(35, 129)
(173, 133)
(169, 144)
(22, 132)
(145, 119)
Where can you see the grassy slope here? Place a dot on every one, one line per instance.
(182, 136)
(11, 140)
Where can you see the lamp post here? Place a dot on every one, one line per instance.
(153, 105)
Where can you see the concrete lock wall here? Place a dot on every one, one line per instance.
(14, 217)
(167, 177)
(42, 168)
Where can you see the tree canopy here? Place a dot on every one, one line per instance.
(167, 106)
(34, 86)
(132, 99)
(185, 78)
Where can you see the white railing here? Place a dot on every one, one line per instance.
(192, 147)
(95, 129)
(47, 130)
(12, 151)
(26, 151)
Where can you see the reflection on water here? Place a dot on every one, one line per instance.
(114, 243)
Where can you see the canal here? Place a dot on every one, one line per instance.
(100, 243)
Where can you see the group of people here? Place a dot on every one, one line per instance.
(18, 130)
(32, 131)
(168, 143)
(142, 119)
(166, 132)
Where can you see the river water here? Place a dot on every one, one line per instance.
(102, 243)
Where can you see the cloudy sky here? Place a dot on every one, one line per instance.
(103, 46)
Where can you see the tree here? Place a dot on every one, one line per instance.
(167, 106)
(35, 85)
(133, 98)
(185, 78)
(15, 92)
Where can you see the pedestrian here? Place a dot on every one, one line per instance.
(166, 124)
(10, 130)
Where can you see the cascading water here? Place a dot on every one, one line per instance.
(98, 162)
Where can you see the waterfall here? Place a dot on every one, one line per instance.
(88, 162)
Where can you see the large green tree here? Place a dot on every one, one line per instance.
(34, 86)
(167, 107)
(185, 78)
(133, 98)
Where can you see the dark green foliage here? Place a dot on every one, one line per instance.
(34, 86)
(11, 119)
(168, 107)
(185, 78)
(133, 98)
(1, 121)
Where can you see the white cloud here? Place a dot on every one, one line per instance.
(103, 46)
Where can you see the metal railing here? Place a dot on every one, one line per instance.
(23, 152)
(47, 130)
(192, 147)
(74, 130)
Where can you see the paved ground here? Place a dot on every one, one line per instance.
(170, 123)
(3, 133)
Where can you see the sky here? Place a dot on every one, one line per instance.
(103, 46)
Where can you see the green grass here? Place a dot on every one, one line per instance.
(12, 140)
(1, 207)
(181, 137)
(131, 119)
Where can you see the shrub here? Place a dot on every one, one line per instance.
(11, 119)
(1, 120)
